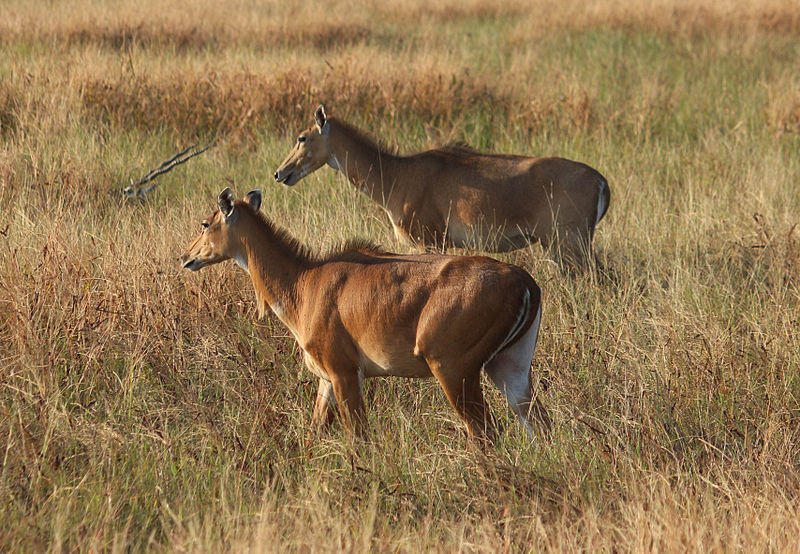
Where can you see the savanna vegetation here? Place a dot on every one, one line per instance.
(144, 407)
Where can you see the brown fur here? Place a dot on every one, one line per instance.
(362, 312)
(455, 195)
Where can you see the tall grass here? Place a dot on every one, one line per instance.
(146, 408)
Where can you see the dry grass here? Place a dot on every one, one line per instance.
(145, 408)
(243, 106)
(273, 24)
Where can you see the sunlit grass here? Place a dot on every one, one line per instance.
(143, 407)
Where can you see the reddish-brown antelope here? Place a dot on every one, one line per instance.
(458, 196)
(361, 312)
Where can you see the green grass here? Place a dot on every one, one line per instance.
(143, 407)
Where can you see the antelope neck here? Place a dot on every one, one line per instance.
(367, 165)
(275, 262)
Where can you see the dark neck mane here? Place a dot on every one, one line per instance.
(276, 262)
(357, 135)
(305, 256)
(351, 251)
(281, 238)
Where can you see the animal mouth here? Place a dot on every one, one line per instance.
(193, 264)
(285, 179)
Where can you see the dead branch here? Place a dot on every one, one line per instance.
(136, 190)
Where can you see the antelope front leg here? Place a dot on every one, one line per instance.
(347, 390)
(323, 406)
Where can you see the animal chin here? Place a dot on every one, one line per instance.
(287, 179)
(195, 264)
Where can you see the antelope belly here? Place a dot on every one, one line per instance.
(462, 235)
(376, 362)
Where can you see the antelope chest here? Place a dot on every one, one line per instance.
(314, 367)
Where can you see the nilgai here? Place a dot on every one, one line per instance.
(457, 196)
(361, 312)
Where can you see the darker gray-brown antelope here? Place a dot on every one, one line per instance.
(361, 312)
(460, 197)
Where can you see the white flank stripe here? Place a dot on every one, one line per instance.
(524, 312)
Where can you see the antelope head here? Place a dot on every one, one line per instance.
(311, 151)
(219, 238)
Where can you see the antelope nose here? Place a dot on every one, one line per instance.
(275, 175)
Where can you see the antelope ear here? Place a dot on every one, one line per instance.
(320, 117)
(225, 202)
(253, 199)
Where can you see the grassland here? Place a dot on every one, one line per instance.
(146, 408)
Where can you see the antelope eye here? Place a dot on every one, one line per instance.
(301, 139)
(205, 225)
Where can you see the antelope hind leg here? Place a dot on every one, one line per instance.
(465, 395)
(510, 371)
